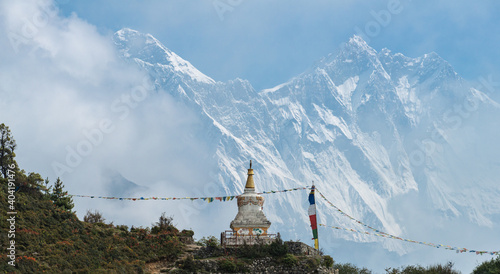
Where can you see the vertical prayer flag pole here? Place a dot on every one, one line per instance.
(312, 217)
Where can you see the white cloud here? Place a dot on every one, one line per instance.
(76, 109)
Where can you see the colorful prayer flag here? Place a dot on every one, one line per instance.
(312, 217)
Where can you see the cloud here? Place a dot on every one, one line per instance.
(76, 110)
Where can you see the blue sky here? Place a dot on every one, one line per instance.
(268, 42)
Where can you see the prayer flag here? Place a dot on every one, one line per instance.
(312, 217)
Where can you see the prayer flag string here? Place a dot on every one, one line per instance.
(387, 235)
(348, 216)
(207, 199)
(457, 249)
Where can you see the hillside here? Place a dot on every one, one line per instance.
(50, 238)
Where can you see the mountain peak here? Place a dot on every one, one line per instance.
(130, 35)
(354, 49)
(124, 33)
(356, 39)
(358, 44)
(136, 45)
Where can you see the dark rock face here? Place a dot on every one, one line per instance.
(300, 248)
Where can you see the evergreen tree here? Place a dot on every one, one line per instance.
(47, 188)
(488, 267)
(34, 180)
(7, 147)
(60, 197)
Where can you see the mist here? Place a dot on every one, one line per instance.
(80, 113)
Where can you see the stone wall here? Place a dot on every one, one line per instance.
(186, 240)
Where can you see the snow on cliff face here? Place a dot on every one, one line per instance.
(365, 126)
(146, 50)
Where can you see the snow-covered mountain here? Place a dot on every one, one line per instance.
(367, 127)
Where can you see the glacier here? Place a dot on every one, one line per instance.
(372, 130)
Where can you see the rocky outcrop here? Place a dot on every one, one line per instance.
(300, 248)
(280, 257)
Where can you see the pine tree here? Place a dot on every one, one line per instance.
(60, 197)
(34, 180)
(7, 147)
(47, 188)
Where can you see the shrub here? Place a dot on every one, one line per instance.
(492, 266)
(188, 264)
(164, 224)
(289, 260)
(312, 262)
(187, 233)
(227, 265)
(210, 242)
(27, 264)
(253, 251)
(444, 269)
(351, 269)
(411, 269)
(277, 248)
(122, 228)
(328, 261)
(231, 265)
(93, 217)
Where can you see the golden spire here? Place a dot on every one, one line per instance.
(250, 183)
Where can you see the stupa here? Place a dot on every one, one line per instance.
(250, 219)
(250, 224)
